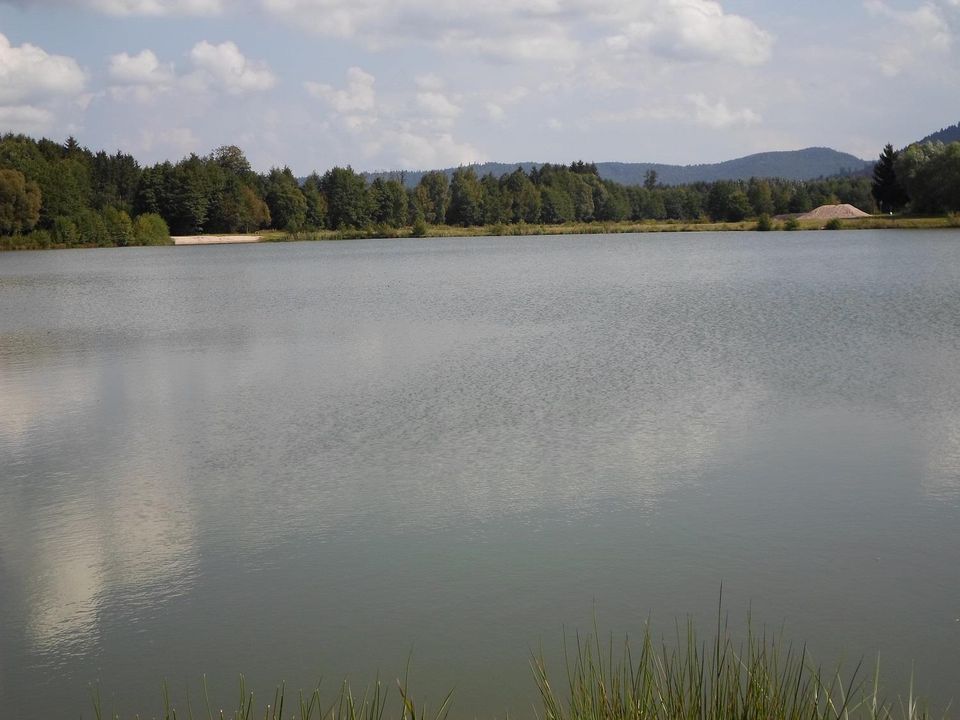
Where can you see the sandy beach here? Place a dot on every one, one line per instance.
(214, 239)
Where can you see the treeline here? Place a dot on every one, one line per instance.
(53, 194)
(557, 194)
(930, 176)
(66, 195)
(923, 177)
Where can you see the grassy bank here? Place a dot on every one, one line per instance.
(760, 677)
(598, 228)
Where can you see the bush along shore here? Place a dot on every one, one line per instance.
(760, 677)
(64, 195)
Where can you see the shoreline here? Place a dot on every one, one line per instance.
(214, 239)
(872, 222)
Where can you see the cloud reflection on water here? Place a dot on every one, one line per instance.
(90, 515)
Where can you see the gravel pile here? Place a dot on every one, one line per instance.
(831, 212)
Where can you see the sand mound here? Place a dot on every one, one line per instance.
(830, 212)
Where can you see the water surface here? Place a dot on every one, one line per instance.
(308, 460)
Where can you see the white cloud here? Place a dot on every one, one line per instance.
(495, 111)
(141, 69)
(696, 109)
(432, 81)
(547, 30)
(338, 18)
(699, 29)
(353, 106)
(417, 150)
(153, 8)
(438, 105)
(213, 68)
(358, 96)
(403, 130)
(918, 33)
(175, 142)
(718, 114)
(35, 87)
(548, 42)
(497, 104)
(159, 7)
(224, 67)
(29, 74)
(26, 119)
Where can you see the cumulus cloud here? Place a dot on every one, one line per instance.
(359, 94)
(28, 74)
(495, 111)
(927, 29)
(405, 130)
(430, 81)
(159, 7)
(690, 31)
(542, 30)
(696, 109)
(548, 42)
(154, 8)
(34, 85)
(25, 119)
(717, 114)
(223, 66)
(212, 68)
(141, 69)
(420, 150)
(438, 105)
(434, 102)
(496, 106)
(175, 141)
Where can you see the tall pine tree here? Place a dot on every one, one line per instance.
(888, 193)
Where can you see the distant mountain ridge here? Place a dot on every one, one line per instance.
(946, 135)
(806, 164)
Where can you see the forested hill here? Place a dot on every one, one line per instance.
(946, 135)
(807, 164)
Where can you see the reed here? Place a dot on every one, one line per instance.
(373, 704)
(760, 677)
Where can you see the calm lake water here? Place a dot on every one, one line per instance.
(305, 460)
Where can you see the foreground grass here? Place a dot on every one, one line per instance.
(759, 678)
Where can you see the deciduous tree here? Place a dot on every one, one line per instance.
(20, 201)
(348, 204)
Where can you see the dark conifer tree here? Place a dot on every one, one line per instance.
(887, 191)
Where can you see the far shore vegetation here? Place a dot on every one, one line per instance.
(879, 222)
(683, 677)
(56, 195)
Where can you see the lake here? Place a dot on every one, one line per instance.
(319, 460)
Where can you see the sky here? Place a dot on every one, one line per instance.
(420, 84)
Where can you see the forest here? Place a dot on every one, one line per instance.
(64, 195)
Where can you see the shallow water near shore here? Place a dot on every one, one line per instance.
(320, 459)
